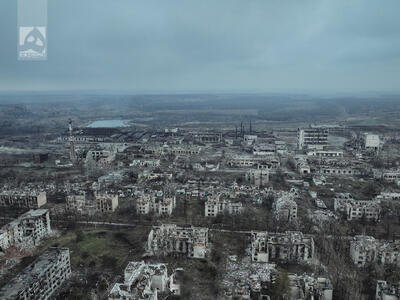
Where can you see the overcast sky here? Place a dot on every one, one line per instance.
(209, 45)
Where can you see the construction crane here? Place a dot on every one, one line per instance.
(72, 153)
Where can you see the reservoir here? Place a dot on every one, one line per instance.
(108, 124)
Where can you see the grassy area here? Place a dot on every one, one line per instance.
(98, 257)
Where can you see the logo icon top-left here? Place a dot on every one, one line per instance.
(32, 43)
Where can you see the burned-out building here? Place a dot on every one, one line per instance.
(285, 208)
(366, 249)
(304, 287)
(358, 209)
(245, 280)
(291, 246)
(219, 205)
(156, 202)
(101, 203)
(258, 178)
(106, 202)
(80, 203)
(26, 231)
(144, 281)
(42, 278)
(170, 238)
(22, 199)
(387, 291)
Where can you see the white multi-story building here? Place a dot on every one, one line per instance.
(249, 161)
(26, 231)
(264, 149)
(158, 202)
(321, 153)
(358, 209)
(371, 142)
(366, 249)
(144, 281)
(291, 246)
(41, 278)
(312, 138)
(170, 238)
(217, 205)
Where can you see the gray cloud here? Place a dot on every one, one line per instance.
(206, 45)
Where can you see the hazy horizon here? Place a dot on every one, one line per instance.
(232, 46)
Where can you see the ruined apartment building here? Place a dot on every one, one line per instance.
(26, 231)
(258, 178)
(285, 208)
(41, 278)
(158, 202)
(144, 281)
(371, 142)
(387, 291)
(391, 176)
(249, 161)
(216, 205)
(291, 246)
(170, 238)
(366, 249)
(22, 199)
(312, 138)
(208, 137)
(338, 167)
(302, 165)
(304, 287)
(321, 153)
(106, 202)
(102, 203)
(369, 210)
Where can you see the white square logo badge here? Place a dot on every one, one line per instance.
(32, 44)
